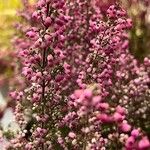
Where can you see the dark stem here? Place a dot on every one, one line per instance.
(43, 80)
(87, 30)
(43, 85)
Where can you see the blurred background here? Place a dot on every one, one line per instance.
(8, 18)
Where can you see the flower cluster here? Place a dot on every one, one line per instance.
(138, 10)
(94, 124)
(82, 85)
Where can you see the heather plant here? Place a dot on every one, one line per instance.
(101, 125)
(82, 86)
(138, 10)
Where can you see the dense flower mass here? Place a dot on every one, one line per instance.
(82, 87)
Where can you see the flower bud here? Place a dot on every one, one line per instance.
(48, 21)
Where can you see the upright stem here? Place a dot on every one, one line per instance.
(43, 80)
(43, 85)
(87, 30)
(43, 92)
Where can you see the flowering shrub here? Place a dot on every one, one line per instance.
(139, 11)
(82, 86)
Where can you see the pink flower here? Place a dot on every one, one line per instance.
(41, 3)
(48, 38)
(129, 23)
(130, 141)
(28, 147)
(120, 110)
(48, 21)
(72, 135)
(96, 100)
(35, 15)
(88, 93)
(103, 106)
(135, 133)
(125, 127)
(104, 118)
(59, 78)
(78, 93)
(144, 143)
(118, 117)
(31, 34)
